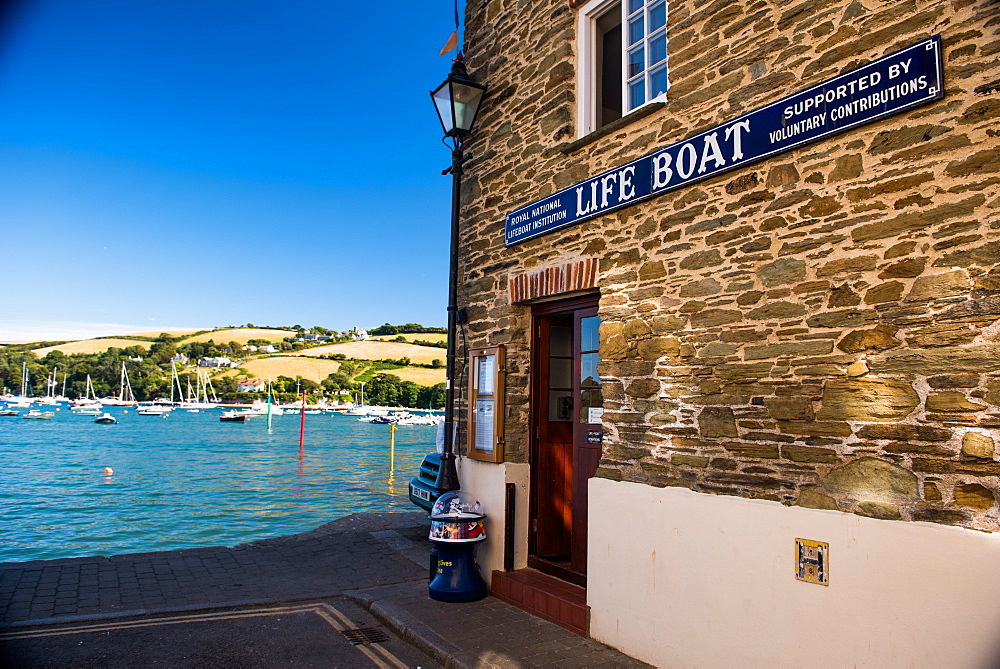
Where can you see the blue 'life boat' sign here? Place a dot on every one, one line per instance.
(883, 87)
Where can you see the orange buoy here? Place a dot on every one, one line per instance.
(108, 471)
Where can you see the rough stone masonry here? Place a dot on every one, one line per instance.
(821, 328)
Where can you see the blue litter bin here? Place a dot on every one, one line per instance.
(456, 529)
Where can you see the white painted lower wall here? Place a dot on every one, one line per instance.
(683, 579)
(486, 481)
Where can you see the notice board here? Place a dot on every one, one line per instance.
(486, 390)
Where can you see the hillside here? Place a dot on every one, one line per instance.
(273, 367)
(239, 335)
(312, 363)
(421, 336)
(153, 334)
(378, 350)
(92, 346)
(318, 369)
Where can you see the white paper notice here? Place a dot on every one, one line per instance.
(485, 385)
(484, 425)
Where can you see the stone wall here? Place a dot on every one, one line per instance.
(821, 328)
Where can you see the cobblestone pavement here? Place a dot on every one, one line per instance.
(376, 559)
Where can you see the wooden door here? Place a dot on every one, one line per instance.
(566, 425)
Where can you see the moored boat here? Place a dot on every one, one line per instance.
(20, 402)
(106, 419)
(154, 410)
(233, 416)
(39, 415)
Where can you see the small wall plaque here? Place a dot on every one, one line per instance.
(812, 561)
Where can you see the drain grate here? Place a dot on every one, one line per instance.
(363, 635)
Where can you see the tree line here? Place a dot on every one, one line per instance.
(150, 377)
(408, 328)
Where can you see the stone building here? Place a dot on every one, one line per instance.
(751, 402)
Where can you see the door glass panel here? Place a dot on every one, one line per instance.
(591, 406)
(588, 370)
(590, 335)
(560, 405)
(560, 373)
(591, 401)
(560, 341)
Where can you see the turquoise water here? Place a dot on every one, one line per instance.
(190, 479)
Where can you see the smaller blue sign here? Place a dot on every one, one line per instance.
(889, 85)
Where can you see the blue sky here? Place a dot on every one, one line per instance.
(203, 163)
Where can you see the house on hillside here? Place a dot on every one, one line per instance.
(251, 386)
(216, 362)
(358, 333)
(739, 266)
(180, 358)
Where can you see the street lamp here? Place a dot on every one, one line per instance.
(457, 103)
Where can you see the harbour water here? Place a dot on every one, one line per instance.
(191, 480)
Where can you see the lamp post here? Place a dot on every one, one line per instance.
(457, 103)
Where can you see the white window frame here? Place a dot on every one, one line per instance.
(588, 69)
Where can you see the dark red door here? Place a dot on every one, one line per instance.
(566, 447)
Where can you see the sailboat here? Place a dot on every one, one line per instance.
(88, 404)
(161, 407)
(191, 403)
(200, 399)
(50, 390)
(266, 408)
(125, 395)
(23, 400)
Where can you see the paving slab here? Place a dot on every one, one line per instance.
(329, 633)
(197, 600)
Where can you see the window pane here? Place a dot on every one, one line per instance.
(560, 405)
(657, 48)
(657, 16)
(588, 370)
(560, 341)
(590, 399)
(590, 337)
(657, 82)
(636, 61)
(634, 5)
(560, 373)
(636, 93)
(636, 29)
